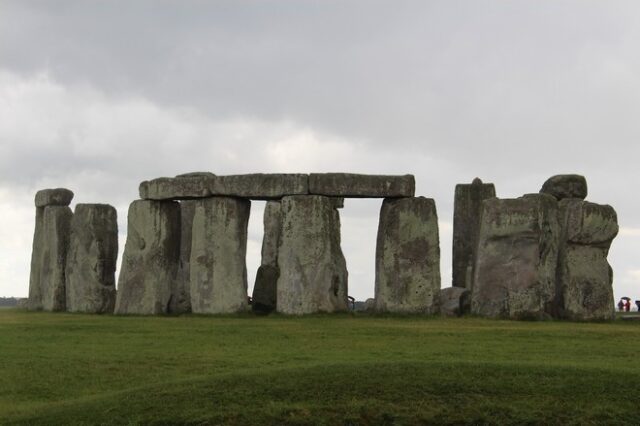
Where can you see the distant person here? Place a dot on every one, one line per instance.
(621, 305)
(628, 306)
(638, 305)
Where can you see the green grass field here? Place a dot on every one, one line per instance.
(333, 369)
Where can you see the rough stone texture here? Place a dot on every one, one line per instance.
(408, 257)
(565, 186)
(49, 256)
(218, 251)
(452, 299)
(91, 261)
(467, 208)
(259, 186)
(53, 197)
(23, 303)
(514, 275)
(272, 221)
(256, 186)
(265, 293)
(370, 305)
(180, 302)
(313, 272)
(584, 276)
(361, 186)
(150, 259)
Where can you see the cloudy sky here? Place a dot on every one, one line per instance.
(98, 96)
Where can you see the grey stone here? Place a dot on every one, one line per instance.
(370, 305)
(361, 186)
(23, 303)
(184, 187)
(150, 259)
(584, 275)
(337, 202)
(53, 197)
(259, 186)
(272, 221)
(408, 257)
(514, 274)
(180, 302)
(452, 301)
(218, 250)
(467, 208)
(49, 256)
(313, 273)
(91, 261)
(565, 186)
(265, 293)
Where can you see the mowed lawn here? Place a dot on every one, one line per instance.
(330, 369)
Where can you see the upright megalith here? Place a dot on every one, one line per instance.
(514, 274)
(264, 297)
(565, 186)
(49, 252)
(313, 272)
(150, 259)
(218, 274)
(408, 257)
(180, 302)
(467, 207)
(91, 261)
(584, 276)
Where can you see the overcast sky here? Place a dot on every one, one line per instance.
(98, 96)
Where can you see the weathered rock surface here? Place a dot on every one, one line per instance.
(467, 208)
(53, 197)
(256, 186)
(408, 257)
(272, 220)
(313, 272)
(150, 259)
(361, 186)
(48, 259)
(452, 301)
(218, 250)
(370, 305)
(514, 275)
(180, 302)
(565, 186)
(265, 293)
(584, 276)
(91, 261)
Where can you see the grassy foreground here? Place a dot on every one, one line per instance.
(81, 369)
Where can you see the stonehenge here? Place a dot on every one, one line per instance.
(539, 256)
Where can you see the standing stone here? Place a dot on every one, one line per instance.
(150, 259)
(180, 302)
(408, 257)
(264, 297)
(467, 208)
(50, 247)
(584, 276)
(91, 262)
(218, 251)
(53, 197)
(515, 271)
(565, 186)
(313, 272)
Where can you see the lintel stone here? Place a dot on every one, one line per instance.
(361, 186)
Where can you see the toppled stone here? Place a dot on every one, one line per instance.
(370, 305)
(256, 186)
(265, 293)
(584, 276)
(91, 261)
(150, 259)
(313, 272)
(452, 301)
(53, 197)
(218, 250)
(180, 302)
(408, 257)
(23, 303)
(565, 186)
(361, 186)
(514, 274)
(467, 208)
(272, 221)
(49, 256)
